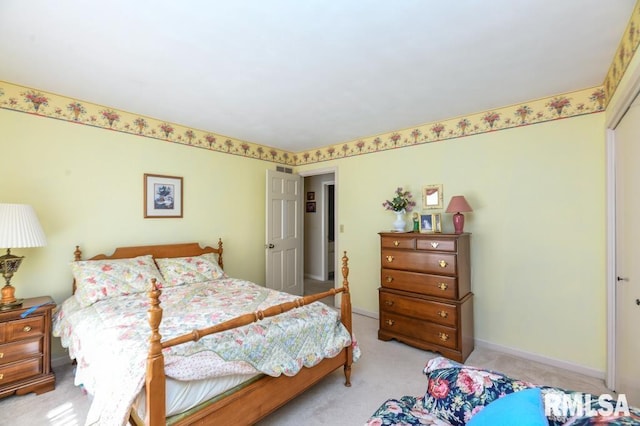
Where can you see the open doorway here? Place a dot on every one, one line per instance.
(319, 232)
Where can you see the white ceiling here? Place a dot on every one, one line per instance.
(302, 74)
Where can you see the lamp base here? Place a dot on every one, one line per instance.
(7, 306)
(458, 223)
(8, 294)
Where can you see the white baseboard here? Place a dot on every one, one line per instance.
(314, 277)
(60, 360)
(369, 314)
(576, 368)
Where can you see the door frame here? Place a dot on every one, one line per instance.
(325, 225)
(616, 109)
(325, 171)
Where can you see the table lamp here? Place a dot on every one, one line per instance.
(19, 228)
(458, 205)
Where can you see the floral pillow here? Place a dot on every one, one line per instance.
(456, 392)
(101, 279)
(187, 270)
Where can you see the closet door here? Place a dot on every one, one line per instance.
(627, 194)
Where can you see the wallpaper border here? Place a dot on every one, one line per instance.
(587, 101)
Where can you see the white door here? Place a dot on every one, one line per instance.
(627, 178)
(284, 232)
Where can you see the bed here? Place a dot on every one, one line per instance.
(139, 324)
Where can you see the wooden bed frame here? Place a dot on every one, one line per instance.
(262, 396)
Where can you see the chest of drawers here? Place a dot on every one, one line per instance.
(425, 292)
(25, 348)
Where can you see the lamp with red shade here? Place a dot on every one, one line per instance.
(458, 205)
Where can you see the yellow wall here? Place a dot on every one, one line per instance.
(538, 221)
(538, 243)
(86, 185)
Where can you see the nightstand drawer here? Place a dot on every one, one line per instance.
(11, 352)
(20, 370)
(24, 328)
(419, 329)
(435, 263)
(441, 313)
(415, 282)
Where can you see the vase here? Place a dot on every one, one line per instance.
(399, 223)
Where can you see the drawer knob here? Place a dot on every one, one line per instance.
(1, 355)
(389, 322)
(396, 243)
(26, 328)
(388, 302)
(390, 259)
(389, 279)
(1, 376)
(435, 244)
(443, 286)
(443, 314)
(442, 264)
(443, 336)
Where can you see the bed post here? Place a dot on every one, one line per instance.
(345, 315)
(155, 378)
(220, 261)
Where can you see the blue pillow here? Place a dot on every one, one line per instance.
(522, 408)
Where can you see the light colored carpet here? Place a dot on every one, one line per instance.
(386, 370)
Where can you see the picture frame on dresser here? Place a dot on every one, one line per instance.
(430, 223)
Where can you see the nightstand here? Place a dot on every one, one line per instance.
(25, 348)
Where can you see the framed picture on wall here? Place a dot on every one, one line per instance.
(311, 196)
(311, 206)
(162, 196)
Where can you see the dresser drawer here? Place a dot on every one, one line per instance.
(403, 243)
(415, 282)
(436, 244)
(419, 329)
(23, 328)
(11, 352)
(435, 263)
(20, 370)
(441, 313)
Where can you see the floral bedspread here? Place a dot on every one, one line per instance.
(109, 339)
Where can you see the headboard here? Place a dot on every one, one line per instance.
(157, 251)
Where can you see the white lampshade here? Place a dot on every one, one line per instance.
(19, 227)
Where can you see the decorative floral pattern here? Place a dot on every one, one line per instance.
(187, 270)
(274, 346)
(102, 279)
(587, 101)
(456, 392)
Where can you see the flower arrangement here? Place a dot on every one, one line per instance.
(401, 201)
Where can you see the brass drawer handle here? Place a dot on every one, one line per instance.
(388, 302)
(389, 322)
(443, 336)
(26, 328)
(435, 244)
(442, 264)
(389, 279)
(443, 286)
(443, 314)
(396, 243)
(1, 355)
(1, 376)
(390, 259)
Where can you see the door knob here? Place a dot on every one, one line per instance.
(269, 246)
(622, 279)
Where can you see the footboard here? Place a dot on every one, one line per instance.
(262, 396)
